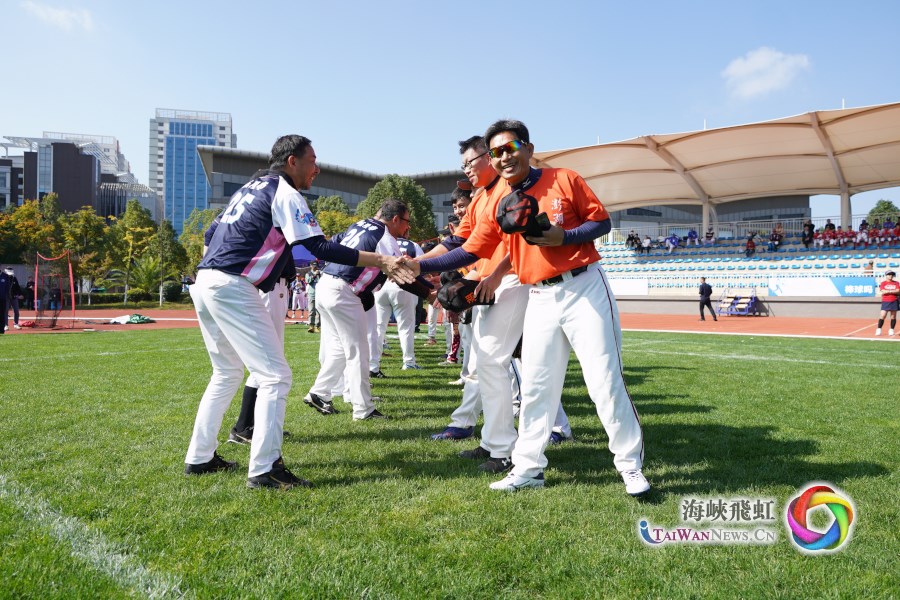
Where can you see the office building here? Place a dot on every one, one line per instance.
(176, 173)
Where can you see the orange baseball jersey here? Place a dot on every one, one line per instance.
(568, 202)
(482, 208)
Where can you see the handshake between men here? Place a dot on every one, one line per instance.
(398, 268)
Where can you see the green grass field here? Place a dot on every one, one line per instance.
(93, 502)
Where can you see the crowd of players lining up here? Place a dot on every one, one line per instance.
(536, 281)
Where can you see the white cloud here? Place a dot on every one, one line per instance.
(61, 17)
(762, 71)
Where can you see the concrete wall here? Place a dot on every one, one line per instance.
(848, 308)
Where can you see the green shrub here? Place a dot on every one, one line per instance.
(172, 291)
(138, 295)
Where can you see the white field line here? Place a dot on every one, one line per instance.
(91, 547)
(646, 347)
(782, 335)
(58, 357)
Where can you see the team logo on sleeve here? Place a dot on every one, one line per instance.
(305, 218)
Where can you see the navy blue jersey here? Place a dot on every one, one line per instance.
(409, 248)
(255, 231)
(369, 235)
(287, 272)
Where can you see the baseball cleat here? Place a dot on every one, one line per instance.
(216, 463)
(375, 414)
(878, 331)
(454, 433)
(557, 438)
(459, 381)
(241, 437)
(320, 404)
(377, 374)
(478, 453)
(514, 483)
(496, 465)
(279, 477)
(635, 482)
(411, 367)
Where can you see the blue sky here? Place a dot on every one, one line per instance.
(389, 86)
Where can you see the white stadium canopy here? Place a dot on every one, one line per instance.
(839, 152)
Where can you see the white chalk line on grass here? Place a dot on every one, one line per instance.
(844, 337)
(63, 357)
(91, 546)
(761, 358)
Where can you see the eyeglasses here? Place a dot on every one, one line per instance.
(509, 147)
(468, 164)
(402, 219)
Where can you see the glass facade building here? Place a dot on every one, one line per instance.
(176, 173)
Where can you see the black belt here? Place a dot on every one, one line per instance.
(563, 276)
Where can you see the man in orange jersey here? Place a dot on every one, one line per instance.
(570, 306)
(496, 330)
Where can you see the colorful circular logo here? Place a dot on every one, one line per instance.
(838, 533)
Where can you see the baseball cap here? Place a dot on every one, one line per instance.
(459, 295)
(891, 273)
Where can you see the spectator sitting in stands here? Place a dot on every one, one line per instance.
(646, 244)
(633, 240)
(750, 248)
(838, 238)
(672, 242)
(862, 236)
(849, 238)
(780, 229)
(819, 238)
(829, 226)
(807, 237)
(875, 235)
(709, 237)
(693, 238)
(869, 269)
(887, 234)
(829, 237)
(775, 240)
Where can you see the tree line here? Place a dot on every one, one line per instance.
(134, 253)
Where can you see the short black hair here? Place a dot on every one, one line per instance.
(511, 125)
(460, 194)
(428, 246)
(286, 146)
(391, 208)
(476, 141)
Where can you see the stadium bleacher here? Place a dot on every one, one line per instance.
(725, 265)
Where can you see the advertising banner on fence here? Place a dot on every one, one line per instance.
(822, 286)
(629, 287)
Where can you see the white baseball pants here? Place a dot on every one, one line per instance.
(581, 315)
(345, 345)
(403, 304)
(238, 330)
